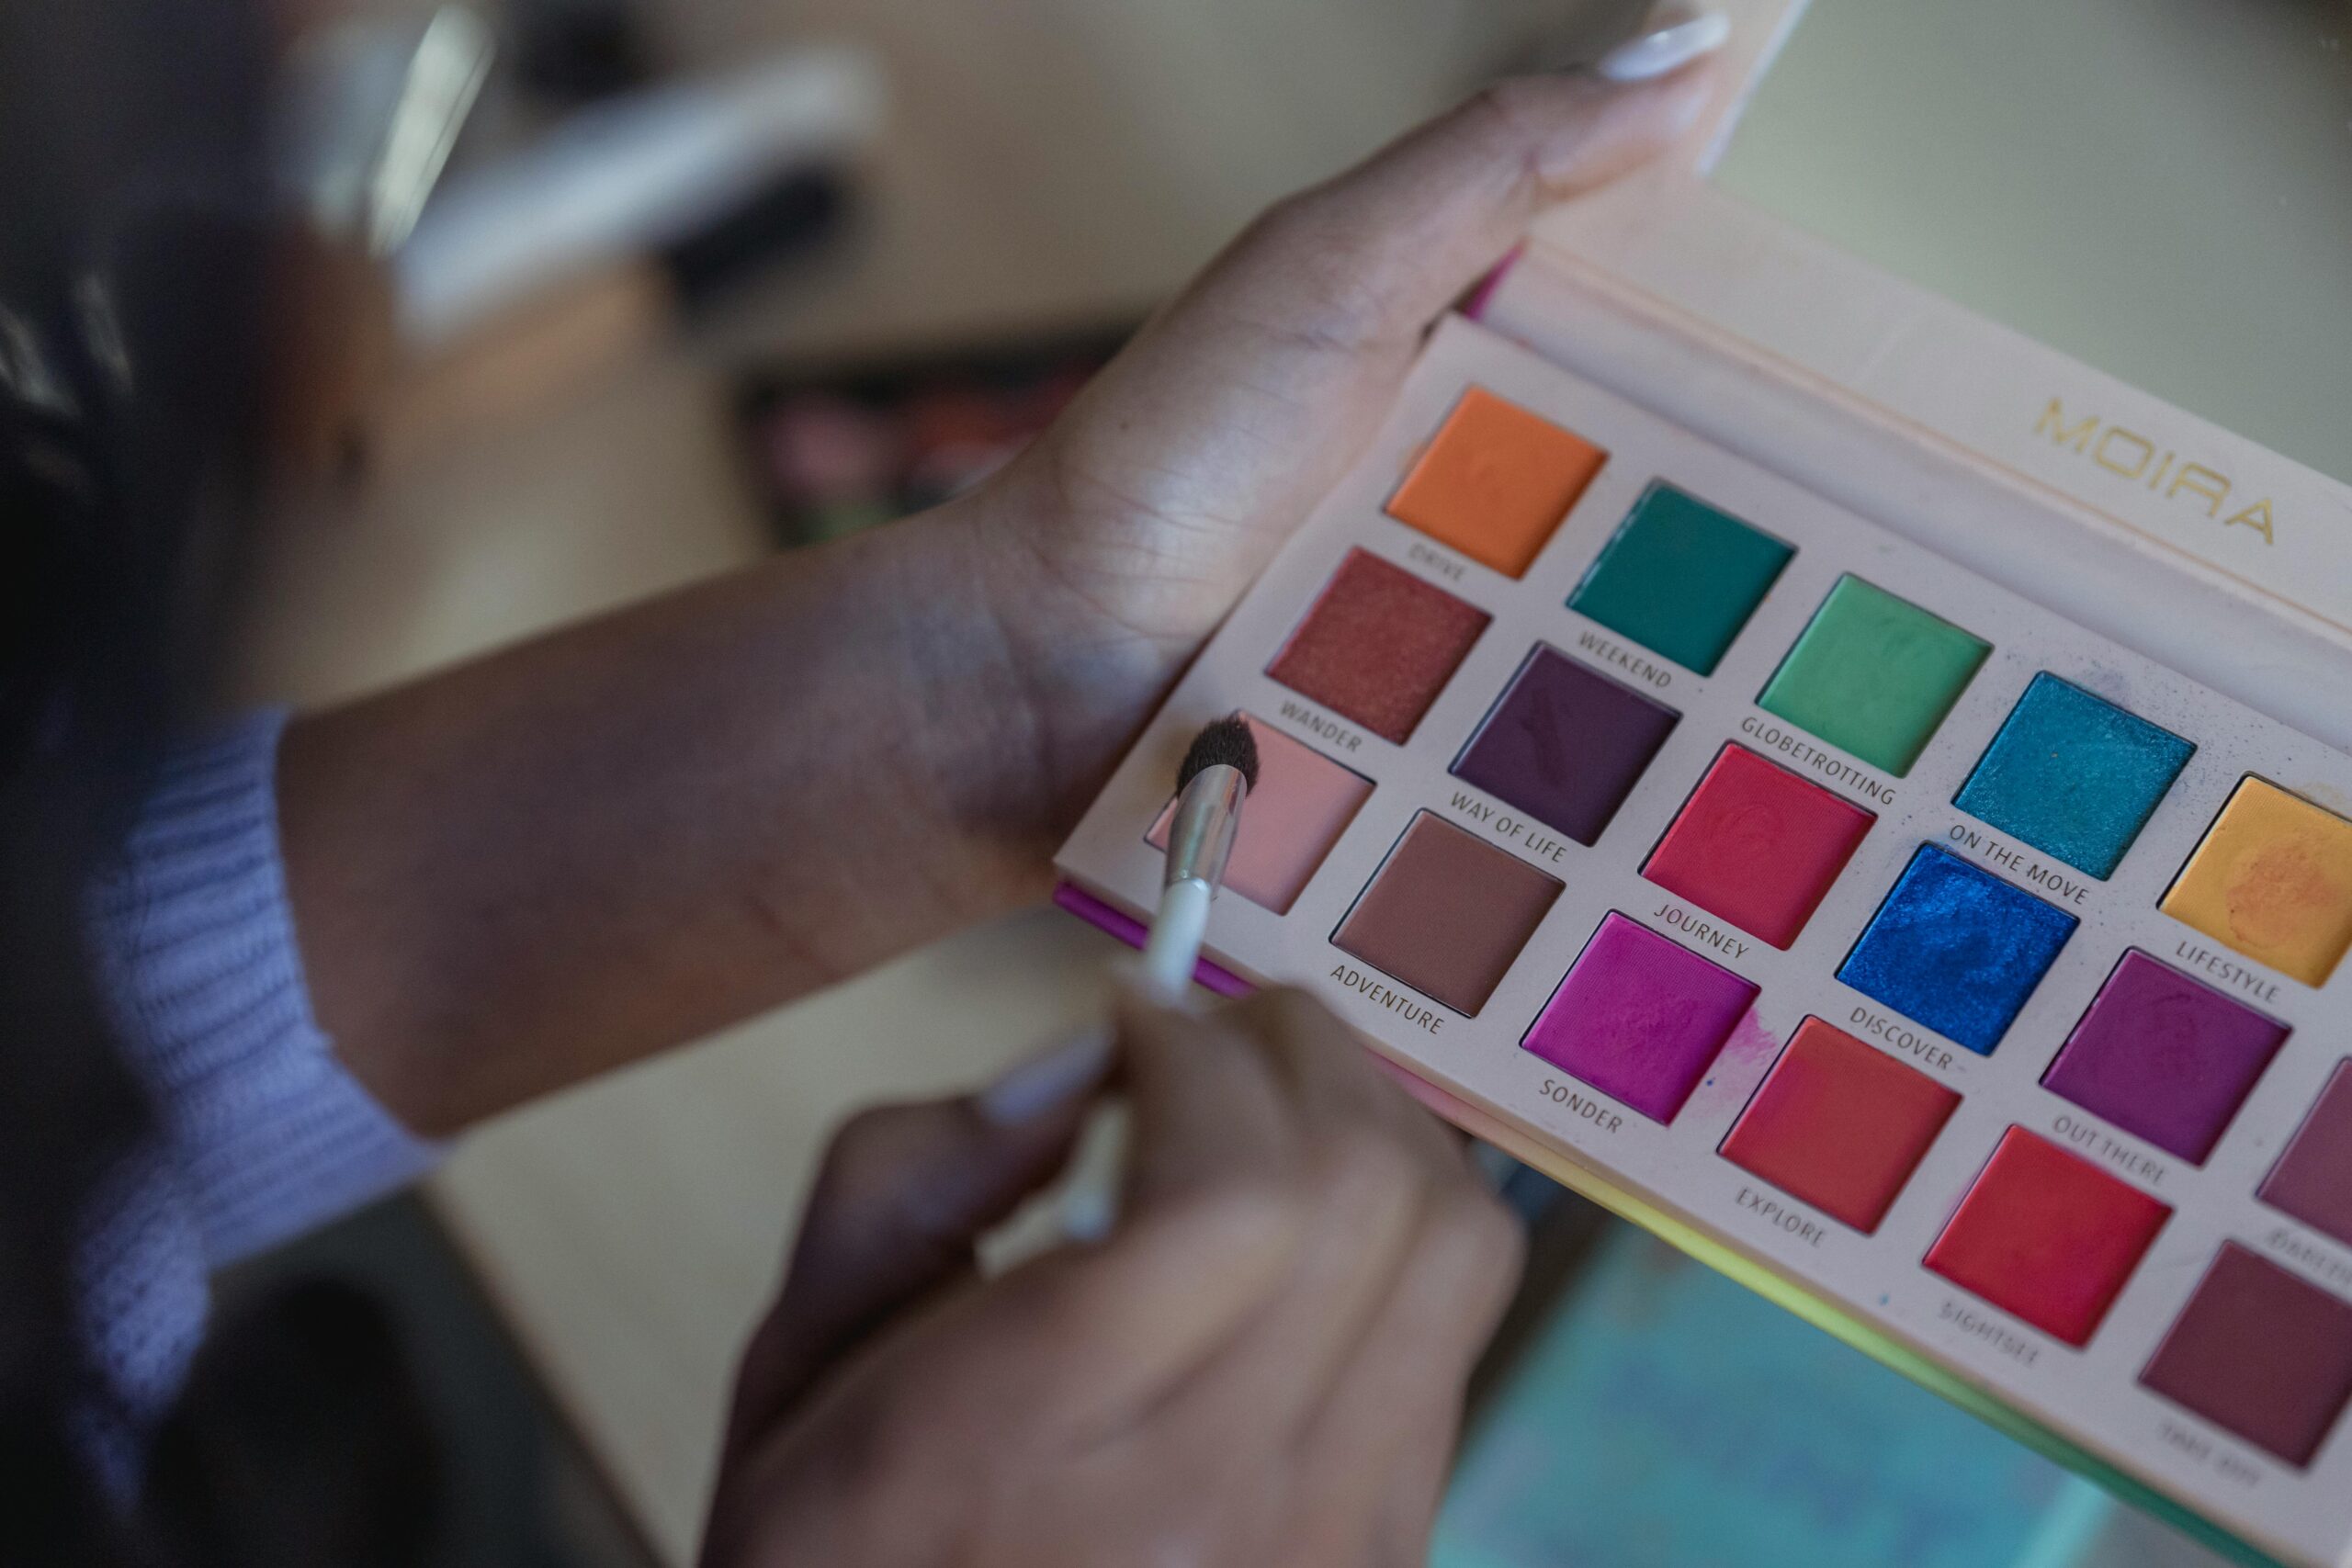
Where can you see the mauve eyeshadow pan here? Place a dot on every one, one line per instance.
(1564, 744)
(2259, 1353)
(1378, 646)
(2313, 1180)
(1446, 914)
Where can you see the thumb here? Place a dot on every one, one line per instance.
(1397, 239)
(904, 1193)
(1219, 426)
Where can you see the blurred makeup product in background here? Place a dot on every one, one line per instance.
(528, 272)
(835, 450)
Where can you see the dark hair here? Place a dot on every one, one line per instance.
(133, 272)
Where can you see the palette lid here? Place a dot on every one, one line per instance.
(2099, 249)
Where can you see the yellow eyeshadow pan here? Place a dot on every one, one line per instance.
(1938, 965)
(2272, 880)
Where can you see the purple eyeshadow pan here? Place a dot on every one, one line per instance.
(1564, 744)
(2163, 1057)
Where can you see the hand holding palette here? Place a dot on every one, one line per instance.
(1955, 976)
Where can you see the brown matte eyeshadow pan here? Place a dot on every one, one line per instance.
(1378, 646)
(1447, 913)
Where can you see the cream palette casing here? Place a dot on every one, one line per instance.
(1960, 977)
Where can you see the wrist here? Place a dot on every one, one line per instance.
(1088, 654)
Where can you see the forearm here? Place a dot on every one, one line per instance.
(620, 837)
(565, 856)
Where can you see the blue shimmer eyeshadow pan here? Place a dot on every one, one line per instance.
(1957, 949)
(2074, 775)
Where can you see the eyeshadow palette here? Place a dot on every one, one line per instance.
(1965, 980)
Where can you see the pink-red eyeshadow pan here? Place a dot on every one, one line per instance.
(1301, 804)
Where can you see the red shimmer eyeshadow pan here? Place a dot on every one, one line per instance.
(1378, 646)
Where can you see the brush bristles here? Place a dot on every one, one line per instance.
(1227, 742)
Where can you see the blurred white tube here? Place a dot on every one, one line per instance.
(623, 178)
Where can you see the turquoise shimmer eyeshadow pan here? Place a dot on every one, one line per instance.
(2074, 775)
(1680, 578)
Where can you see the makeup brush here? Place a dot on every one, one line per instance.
(1220, 770)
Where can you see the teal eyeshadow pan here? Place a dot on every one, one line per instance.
(2074, 775)
(1680, 578)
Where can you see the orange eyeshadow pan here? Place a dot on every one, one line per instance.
(1494, 483)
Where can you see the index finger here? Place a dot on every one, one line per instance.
(1209, 1112)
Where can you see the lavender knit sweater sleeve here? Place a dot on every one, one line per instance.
(260, 1133)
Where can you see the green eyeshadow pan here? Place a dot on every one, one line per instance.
(1680, 578)
(1873, 675)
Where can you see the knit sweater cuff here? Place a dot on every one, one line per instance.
(195, 943)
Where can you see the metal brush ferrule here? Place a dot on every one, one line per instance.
(1200, 840)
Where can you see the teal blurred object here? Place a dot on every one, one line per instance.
(1668, 1417)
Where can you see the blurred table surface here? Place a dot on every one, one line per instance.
(1046, 162)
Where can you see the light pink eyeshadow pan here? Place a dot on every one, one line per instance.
(1302, 803)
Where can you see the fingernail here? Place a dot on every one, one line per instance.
(1087, 1216)
(1675, 34)
(1627, 128)
(1048, 1081)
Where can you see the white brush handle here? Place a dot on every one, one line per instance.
(1090, 1206)
(1173, 950)
(1085, 1204)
